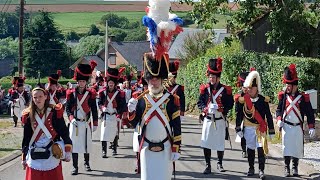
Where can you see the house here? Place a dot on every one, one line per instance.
(256, 40)
(6, 67)
(129, 53)
(177, 45)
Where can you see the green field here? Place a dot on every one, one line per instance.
(65, 2)
(80, 21)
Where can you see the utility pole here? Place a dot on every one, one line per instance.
(106, 51)
(20, 65)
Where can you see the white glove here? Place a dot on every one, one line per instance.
(212, 108)
(74, 122)
(24, 164)
(104, 109)
(68, 156)
(271, 136)
(94, 128)
(312, 132)
(240, 134)
(175, 156)
(132, 105)
(279, 123)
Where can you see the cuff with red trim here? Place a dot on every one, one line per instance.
(311, 126)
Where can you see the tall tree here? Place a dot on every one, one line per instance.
(295, 25)
(44, 47)
(88, 46)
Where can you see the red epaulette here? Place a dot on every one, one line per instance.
(236, 97)
(136, 94)
(228, 89)
(10, 91)
(93, 93)
(280, 95)
(25, 115)
(101, 90)
(69, 92)
(306, 97)
(182, 88)
(59, 108)
(203, 88)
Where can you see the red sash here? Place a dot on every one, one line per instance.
(257, 116)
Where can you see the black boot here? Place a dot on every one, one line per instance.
(219, 164)
(262, 161)
(111, 145)
(287, 160)
(295, 163)
(15, 120)
(251, 157)
(75, 164)
(207, 157)
(115, 145)
(244, 148)
(104, 149)
(86, 162)
(137, 170)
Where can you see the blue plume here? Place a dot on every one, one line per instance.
(152, 27)
(178, 21)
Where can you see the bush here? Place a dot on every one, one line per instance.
(94, 30)
(270, 68)
(72, 35)
(136, 35)
(114, 21)
(119, 35)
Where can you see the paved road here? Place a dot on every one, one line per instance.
(190, 165)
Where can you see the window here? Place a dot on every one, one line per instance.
(112, 59)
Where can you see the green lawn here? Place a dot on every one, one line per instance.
(80, 21)
(64, 2)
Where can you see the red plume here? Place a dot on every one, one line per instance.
(93, 64)
(252, 69)
(24, 78)
(59, 73)
(142, 73)
(219, 64)
(293, 71)
(122, 69)
(176, 64)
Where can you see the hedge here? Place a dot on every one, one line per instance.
(270, 68)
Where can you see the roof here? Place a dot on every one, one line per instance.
(132, 51)
(86, 59)
(177, 45)
(6, 66)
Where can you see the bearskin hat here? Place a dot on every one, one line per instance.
(241, 78)
(53, 78)
(214, 66)
(155, 68)
(114, 74)
(290, 75)
(84, 71)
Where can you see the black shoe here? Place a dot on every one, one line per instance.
(87, 167)
(295, 172)
(220, 168)
(261, 175)
(250, 172)
(104, 154)
(286, 171)
(114, 152)
(244, 154)
(207, 170)
(74, 171)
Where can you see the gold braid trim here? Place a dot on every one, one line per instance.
(176, 114)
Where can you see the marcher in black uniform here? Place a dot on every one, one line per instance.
(241, 78)
(81, 104)
(112, 105)
(20, 100)
(175, 88)
(215, 101)
(253, 109)
(293, 106)
(54, 94)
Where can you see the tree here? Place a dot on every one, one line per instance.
(114, 21)
(44, 47)
(94, 30)
(72, 35)
(138, 34)
(194, 46)
(88, 46)
(119, 34)
(8, 48)
(295, 25)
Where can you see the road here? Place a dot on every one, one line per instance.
(190, 166)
